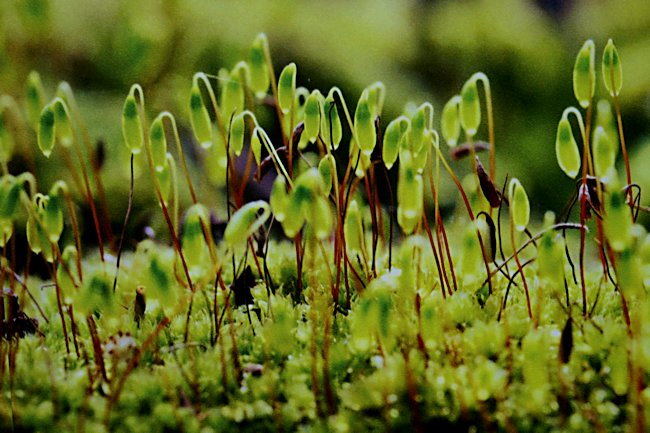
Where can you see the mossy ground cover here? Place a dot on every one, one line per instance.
(338, 302)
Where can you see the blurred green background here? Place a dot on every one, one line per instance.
(421, 50)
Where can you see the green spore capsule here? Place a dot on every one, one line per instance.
(232, 97)
(566, 148)
(417, 133)
(519, 205)
(237, 134)
(450, 122)
(410, 196)
(612, 69)
(63, 124)
(96, 295)
(164, 178)
(259, 71)
(158, 142)
(353, 228)
(584, 74)
(327, 170)
(279, 199)
(38, 240)
(311, 118)
(364, 125)
(395, 132)
(51, 214)
(287, 87)
(470, 107)
(256, 144)
(193, 239)
(35, 99)
(159, 282)
(199, 118)
(331, 128)
(618, 220)
(9, 197)
(132, 125)
(320, 217)
(246, 221)
(46, 130)
(604, 153)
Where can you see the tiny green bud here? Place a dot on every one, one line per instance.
(360, 160)
(287, 87)
(618, 221)
(159, 282)
(51, 214)
(450, 122)
(232, 97)
(410, 196)
(35, 98)
(237, 134)
(158, 142)
(519, 205)
(612, 69)
(63, 125)
(395, 132)
(46, 130)
(320, 218)
(246, 221)
(331, 122)
(9, 197)
(256, 145)
(353, 228)
(164, 178)
(38, 239)
(470, 107)
(96, 295)
(279, 199)
(312, 118)
(550, 262)
(566, 148)
(417, 134)
(628, 273)
(132, 125)
(604, 153)
(193, 239)
(199, 118)
(364, 125)
(584, 74)
(327, 170)
(259, 71)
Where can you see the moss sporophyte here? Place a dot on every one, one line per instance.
(305, 308)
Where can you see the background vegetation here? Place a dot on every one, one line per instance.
(422, 50)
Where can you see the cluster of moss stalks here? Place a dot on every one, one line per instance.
(340, 302)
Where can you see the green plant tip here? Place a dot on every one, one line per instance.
(612, 69)
(395, 132)
(566, 148)
(132, 131)
(450, 121)
(287, 88)
(470, 107)
(519, 204)
(259, 71)
(158, 142)
(584, 74)
(46, 131)
(364, 125)
(200, 119)
(604, 153)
